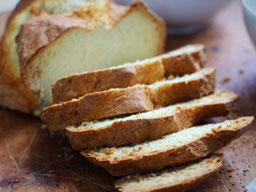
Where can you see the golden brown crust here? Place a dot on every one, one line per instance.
(78, 85)
(13, 93)
(157, 160)
(39, 31)
(184, 187)
(22, 5)
(97, 106)
(11, 97)
(185, 63)
(214, 163)
(142, 129)
(200, 86)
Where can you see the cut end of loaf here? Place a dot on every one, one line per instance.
(137, 27)
(9, 62)
(145, 71)
(182, 178)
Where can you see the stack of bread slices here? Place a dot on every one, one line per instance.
(139, 120)
(133, 118)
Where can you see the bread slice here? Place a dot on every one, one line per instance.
(97, 106)
(149, 125)
(178, 179)
(135, 33)
(182, 61)
(13, 93)
(174, 149)
(185, 88)
(134, 99)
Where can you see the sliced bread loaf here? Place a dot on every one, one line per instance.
(134, 99)
(174, 149)
(133, 32)
(178, 179)
(185, 60)
(149, 125)
(13, 93)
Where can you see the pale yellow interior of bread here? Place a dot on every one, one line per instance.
(135, 37)
(169, 142)
(218, 97)
(49, 6)
(186, 50)
(171, 177)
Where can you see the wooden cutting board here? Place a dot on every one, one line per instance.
(33, 160)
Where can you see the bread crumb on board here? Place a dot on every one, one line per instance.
(225, 80)
(241, 71)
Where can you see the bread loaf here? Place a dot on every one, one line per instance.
(81, 46)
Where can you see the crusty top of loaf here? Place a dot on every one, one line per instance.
(42, 30)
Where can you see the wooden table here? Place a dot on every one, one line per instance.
(33, 160)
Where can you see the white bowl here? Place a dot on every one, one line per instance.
(7, 5)
(183, 13)
(249, 9)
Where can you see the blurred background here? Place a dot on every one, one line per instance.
(6, 5)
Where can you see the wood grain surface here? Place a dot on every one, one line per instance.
(33, 160)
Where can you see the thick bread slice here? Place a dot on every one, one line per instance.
(13, 94)
(184, 88)
(178, 179)
(185, 60)
(85, 49)
(174, 149)
(134, 99)
(150, 125)
(97, 106)
(123, 76)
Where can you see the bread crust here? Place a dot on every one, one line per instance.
(11, 86)
(29, 71)
(185, 63)
(22, 5)
(78, 85)
(42, 30)
(180, 91)
(142, 129)
(29, 101)
(156, 160)
(97, 106)
(215, 161)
